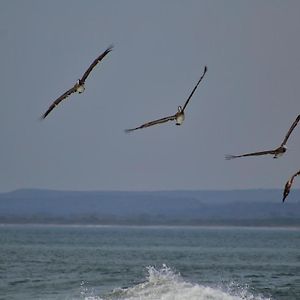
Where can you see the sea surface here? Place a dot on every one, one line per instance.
(170, 263)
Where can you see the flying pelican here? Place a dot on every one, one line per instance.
(79, 85)
(276, 152)
(179, 116)
(288, 185)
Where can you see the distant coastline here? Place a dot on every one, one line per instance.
(250, 208)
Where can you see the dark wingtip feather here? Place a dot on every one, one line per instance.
(43, 116)
(286, 191)
(128, 130)
(284, 196)
(229, 156)
(110, 48)
(47, 113)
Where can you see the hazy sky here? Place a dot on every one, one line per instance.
(246, 102)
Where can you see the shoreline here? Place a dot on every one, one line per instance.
(152, 226)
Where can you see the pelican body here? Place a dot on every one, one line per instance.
(79, 87)
(179, 116)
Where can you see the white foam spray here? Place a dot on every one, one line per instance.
(165, 284)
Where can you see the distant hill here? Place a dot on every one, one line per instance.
(236, 207)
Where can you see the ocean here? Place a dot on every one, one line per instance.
(169, 263)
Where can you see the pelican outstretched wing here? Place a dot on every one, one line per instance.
(193, 91)
(58, 100)
(79, 83)
(173, 117)
(228, 157)
(288, 185)
(159, 121)
(94, 63)
(290, 131)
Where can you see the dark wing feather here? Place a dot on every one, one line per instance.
(94, 63)
(58, 100)
(159, 121)
(193, 91)
(228, 157)
(288, 185)
(290, 130)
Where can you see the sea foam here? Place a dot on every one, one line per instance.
(165, 284)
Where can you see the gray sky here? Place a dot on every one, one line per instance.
(246, 102)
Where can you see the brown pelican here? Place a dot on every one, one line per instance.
(79, 85)
(276, 152)
(179, 116)
(288, 185)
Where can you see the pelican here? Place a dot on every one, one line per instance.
(288, 185)
(178, 117)
(278, 152)
(79, 85)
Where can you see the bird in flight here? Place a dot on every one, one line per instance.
(276, 152)
(79, 85)
(288, 185)
(179, 116)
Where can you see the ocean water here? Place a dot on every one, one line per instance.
(169, 263)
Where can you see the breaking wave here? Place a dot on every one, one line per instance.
(165, 284)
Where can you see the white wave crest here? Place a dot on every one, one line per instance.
(165, 284)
